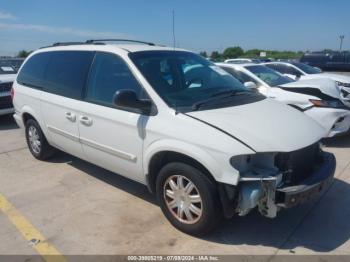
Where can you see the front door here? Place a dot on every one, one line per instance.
(110, 137)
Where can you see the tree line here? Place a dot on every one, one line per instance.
(238, 52)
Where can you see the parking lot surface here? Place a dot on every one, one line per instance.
(82, 209)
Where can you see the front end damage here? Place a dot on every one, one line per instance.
(271, 181)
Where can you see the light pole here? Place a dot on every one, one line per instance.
(341, 41)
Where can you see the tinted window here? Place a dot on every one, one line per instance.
(242, 77)
(307, 69)
(32, 72)
(66, 72)
(108, 74)
(269, 76)
(284, 69)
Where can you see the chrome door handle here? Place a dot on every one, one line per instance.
(86, 120)
(70, 116)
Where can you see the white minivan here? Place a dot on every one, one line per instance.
(168, 118)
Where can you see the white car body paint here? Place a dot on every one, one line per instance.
(125, 142)
(327, 117)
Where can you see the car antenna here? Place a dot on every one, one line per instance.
(174, 38)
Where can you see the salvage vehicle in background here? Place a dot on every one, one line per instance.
(14, 62)
(319, 98)
(168, 118)
(247, 60)
(242, 60)
(7, 76)
(328, 61)
(297, 70)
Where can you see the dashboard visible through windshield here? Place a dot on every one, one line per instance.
(186, 80)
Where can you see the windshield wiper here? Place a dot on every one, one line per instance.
(219, 95)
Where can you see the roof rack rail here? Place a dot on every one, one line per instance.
(91, 41)
(68, 43)
(71, 43)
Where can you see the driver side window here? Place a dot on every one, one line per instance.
(109, 73)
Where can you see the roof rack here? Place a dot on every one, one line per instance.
(94, 41)
(64, 44)
(97, 42)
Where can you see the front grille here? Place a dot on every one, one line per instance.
(5, 102)
(5, 87)
(299, 164)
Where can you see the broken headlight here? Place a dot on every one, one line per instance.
(343, 84)
(255, 164)
(327, 103)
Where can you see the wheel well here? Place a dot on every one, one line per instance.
(26, 117)
(162, 158)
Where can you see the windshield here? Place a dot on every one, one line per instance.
(307, 69)
(269, 76)
(184, 79)
(5, 70)
(7, 67)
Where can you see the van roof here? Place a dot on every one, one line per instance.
(132, 46)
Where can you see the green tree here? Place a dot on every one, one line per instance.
(204, 54)
(233, 52)
(23, 53)
(215, 55)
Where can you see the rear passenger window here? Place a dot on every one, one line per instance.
(32, 73)
(67, 72)
(108, 74)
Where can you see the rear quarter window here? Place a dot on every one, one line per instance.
(32, 72)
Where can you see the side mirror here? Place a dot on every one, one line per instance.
(126, 99)
(250, 85)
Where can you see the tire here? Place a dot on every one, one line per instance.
(37, 142)
(177, 204)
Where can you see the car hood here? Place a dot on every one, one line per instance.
(7, 78)
(265, 126)
(325, 85)
(333, 76)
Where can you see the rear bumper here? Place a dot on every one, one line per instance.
(311, 187)
(18, 120)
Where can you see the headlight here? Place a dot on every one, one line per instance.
(325, 103)
(255, 163)
(343, 84)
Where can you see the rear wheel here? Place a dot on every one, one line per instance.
(188, 198)
(36, 141)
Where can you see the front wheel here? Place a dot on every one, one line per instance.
(188, 198)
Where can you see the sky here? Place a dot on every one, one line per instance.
(199, 25)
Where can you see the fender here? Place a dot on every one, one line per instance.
(221, 171)
(33, 113)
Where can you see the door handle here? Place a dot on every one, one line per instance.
(70, 116)
(86, 120)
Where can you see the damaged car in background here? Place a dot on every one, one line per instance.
(297, 70)
(319, 98)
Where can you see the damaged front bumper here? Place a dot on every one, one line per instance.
(273, 192)
(314, 184)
